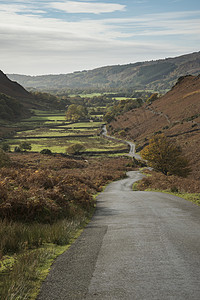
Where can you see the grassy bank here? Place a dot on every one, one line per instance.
(22, 273)
(193, 197)
(186, 188)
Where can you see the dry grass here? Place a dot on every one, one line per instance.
(159, 181)
(44, 189)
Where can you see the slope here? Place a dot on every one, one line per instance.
(176, 114)
(13, 89)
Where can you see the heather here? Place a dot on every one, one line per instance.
(42, 189)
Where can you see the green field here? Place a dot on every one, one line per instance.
(85, 124)
(47, 135)
(59, 145)
(46, 118)
(90, 95)
(57, 132)
(123, 98)
(49, 113)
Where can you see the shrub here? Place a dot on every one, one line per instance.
(75, 149)
(174, 189)
(46, 151)
(17, 149)
(165, 156)
(25, 146)
(122, 133)
(5, 147)
(4, 159)
(152, 98)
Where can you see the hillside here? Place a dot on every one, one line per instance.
(157, 75)
(13, 89)
(14, 100)
(176, 114)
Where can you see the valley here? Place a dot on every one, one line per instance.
(51, 131)
(55, 158)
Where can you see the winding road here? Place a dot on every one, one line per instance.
(139, 245)
(131, 153)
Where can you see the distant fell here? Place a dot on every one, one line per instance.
(156, 75)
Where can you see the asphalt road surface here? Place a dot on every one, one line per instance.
(139, 245)
(132, 151)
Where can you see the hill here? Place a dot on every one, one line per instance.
(15, 103)
(13, 89)
(157, 75)
(10, 108)
(14, 99)
(176, 114)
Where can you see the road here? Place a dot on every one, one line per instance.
(139, 245)
(131, 153)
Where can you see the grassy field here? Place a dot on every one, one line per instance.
(59, 145)
(44, 134)
(85, 124)
(57, 132)
(53, 112)
(123, 98)
(42, 118)
(86, 95)
(47, 118)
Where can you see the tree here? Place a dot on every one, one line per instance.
(152, 98)
(25, 146)
(75, 149)
(109, 117)
(165, 156)
(76, 112)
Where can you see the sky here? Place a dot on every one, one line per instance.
(59, 36)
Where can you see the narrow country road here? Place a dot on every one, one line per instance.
(131, 145)
(139, 245)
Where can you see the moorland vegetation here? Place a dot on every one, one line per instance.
(45, 199)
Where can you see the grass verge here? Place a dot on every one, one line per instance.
(185, 188)
(22, 274)
(193, 197)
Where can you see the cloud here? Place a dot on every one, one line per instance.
(20, 8)
(141, 1)
(162, 24)
(32, 44)
(87, 7)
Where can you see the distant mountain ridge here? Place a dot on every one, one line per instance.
(157, 75)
